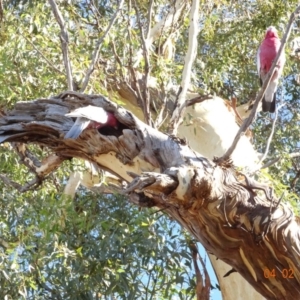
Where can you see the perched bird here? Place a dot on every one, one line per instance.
(90, 117)
(266, 54)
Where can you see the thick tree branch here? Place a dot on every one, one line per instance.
(233, 222)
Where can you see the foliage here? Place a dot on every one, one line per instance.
(96, 245)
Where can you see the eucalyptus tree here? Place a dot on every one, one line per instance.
(166, 62)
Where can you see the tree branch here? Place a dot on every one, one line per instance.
(187, 70)
(162, 172)
(44, 57)
(166, 22)
(270, 137)
(64, 38)
(1, 12)
(202, 290)
(97, 48)
(276, 159)
(146, 98)
(198, 99)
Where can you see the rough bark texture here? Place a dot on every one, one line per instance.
(218, 207)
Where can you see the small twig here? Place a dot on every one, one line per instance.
(198, 99)
(138, 92)
(118, 60)
(261, 93)
(159, 119)
(276, 159)
(233, 105)
(10, 182)
(64, 38)
(44, 57)
(97, 48)
(27, 158)
(271, 162)
(32, 185)
(270, 137)
(294, 181)
(96, 9)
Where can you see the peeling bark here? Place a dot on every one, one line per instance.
(233, 222)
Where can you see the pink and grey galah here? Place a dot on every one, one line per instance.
(90, 117)
(266, 54)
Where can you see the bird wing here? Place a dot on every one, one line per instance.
(93, 113)
(258, 61)
(79, 125)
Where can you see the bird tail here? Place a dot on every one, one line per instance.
(269, 106)
(269, 100)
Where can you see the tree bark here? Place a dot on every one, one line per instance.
(255, 234)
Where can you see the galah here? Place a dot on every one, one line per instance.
(266, 54)
(90, 117)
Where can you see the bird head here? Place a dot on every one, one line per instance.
(271, 32)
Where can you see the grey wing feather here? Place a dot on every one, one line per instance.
(258, 61)
(79, 125)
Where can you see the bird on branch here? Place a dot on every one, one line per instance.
(92, 117)
(266, 54)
